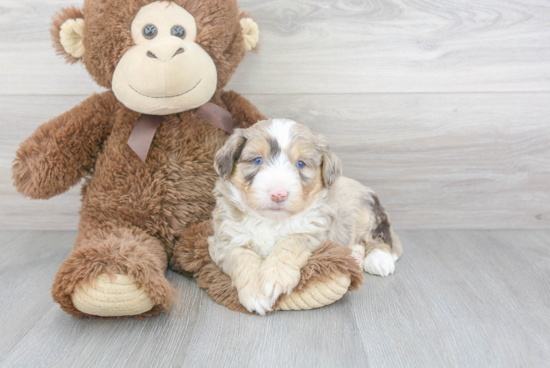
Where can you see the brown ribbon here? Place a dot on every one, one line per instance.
(142, 136)
(216, 116)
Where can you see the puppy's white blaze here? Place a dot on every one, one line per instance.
(282, 173)
(280, 161)
(281, 129)
(279, 175)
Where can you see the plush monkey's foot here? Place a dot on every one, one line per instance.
(112, 298)
(317, 295)
(117, 273)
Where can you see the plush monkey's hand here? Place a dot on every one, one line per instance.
(59, 153)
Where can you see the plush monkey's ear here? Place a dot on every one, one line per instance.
(251, 33)
(229, 154)
(331, 166)
(68, 33)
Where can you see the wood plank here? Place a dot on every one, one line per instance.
(326, 337)
(28, 264)
(458, 298)
(440, 160)
(332, 46)
(436, 160)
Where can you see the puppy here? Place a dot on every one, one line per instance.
(279, 197)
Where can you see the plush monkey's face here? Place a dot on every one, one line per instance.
(159, 57)
(166, 71)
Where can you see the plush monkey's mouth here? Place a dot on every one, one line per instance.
(181, 94)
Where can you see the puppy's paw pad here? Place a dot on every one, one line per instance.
(358, 255)
(379, 263)
(253, 301)
(265, 305)
(260, 306)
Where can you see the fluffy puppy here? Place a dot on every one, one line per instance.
(279, 196)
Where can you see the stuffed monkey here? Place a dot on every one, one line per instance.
(145, 149)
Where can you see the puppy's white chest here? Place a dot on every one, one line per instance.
(266, 233)
(264, 239)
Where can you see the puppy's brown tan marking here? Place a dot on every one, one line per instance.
(382, 228)
(283, 197)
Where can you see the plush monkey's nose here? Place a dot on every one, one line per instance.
(165, 50)
(278, 196)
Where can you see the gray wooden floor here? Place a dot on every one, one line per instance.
(458, 299)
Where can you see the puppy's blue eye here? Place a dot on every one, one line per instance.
(300, 164)
(258, 161)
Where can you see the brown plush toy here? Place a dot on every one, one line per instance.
(145, 149)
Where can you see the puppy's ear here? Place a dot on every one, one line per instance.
(229, 154)
(331, 167)
(68, 33)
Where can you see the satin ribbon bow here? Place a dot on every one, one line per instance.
(142, 136)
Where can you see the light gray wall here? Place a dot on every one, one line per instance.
(443, 107)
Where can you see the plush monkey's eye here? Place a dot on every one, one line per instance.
(300, 164)
(178, 31)
(150, 31)
(258, 161)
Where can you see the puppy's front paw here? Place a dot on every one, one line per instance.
(358, 252)
(379, 263)
(277, 278)
(254, 301)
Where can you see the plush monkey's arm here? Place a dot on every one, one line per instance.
(244, 113)
(60, 152)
